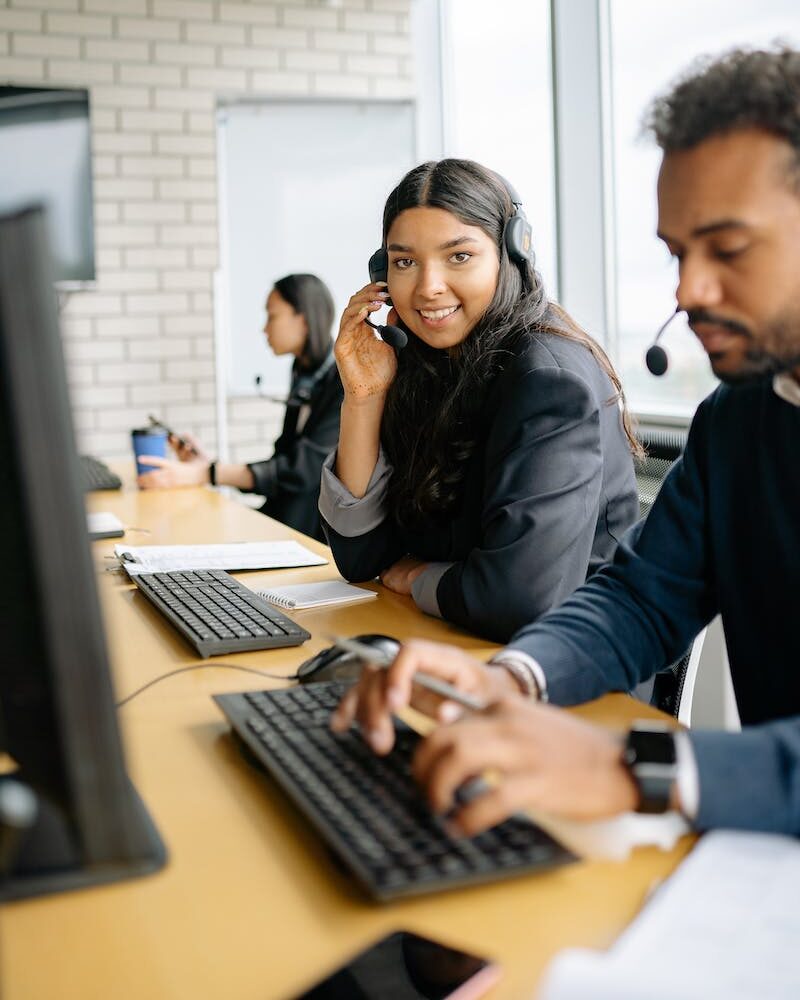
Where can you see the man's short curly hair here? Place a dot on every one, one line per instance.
(741, 89)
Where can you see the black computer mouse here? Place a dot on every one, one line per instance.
(334, 664)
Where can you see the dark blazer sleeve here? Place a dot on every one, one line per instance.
(378, 544)
(362, 557)
(751, 779)
(638, 614)
(297, 462)
(541, 495)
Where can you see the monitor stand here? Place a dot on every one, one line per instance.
(44, 856)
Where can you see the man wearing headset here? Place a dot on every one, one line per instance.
(723, 536)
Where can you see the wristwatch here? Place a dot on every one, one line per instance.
(212, 473)
(650, 757)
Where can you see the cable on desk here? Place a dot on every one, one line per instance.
(204, 666)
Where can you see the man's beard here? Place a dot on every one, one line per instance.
(776, 350)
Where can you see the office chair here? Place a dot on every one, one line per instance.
(662, 448)
(672, 689)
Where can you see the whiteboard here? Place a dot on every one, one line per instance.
(302, 189)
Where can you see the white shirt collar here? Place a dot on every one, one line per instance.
(787, 388)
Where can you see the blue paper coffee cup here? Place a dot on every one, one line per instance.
(148, 441)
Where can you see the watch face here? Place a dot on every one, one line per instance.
(654, 748)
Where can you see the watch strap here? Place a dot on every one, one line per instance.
(655, 791)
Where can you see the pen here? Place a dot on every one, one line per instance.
(472, 788)
(381, 659)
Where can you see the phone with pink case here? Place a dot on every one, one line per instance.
(405, 966)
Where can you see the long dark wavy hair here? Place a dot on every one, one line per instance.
(430, 424)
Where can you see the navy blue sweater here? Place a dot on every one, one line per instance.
(723, 537)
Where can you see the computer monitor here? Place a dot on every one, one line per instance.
(46, 157)
(58, 721)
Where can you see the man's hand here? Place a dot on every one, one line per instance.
(400, 576)
(379, 693)
(543, 757)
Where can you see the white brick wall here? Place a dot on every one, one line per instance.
(142, 340)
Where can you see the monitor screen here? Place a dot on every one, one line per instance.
(46, 157)
(58, 722)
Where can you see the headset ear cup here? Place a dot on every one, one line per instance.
(379, 265)
(379, 268)
(517, 238)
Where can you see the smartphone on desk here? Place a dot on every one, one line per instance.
(405, 966)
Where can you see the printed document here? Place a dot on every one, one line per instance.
(724, 926)
(229, 556)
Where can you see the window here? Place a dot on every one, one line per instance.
(649, 45)
(498, 104)
(593, 204)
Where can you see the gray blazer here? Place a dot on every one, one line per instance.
(548, 491)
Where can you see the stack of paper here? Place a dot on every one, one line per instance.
(725, 926)
(230, 556)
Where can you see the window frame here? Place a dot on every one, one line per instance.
(586, 231)
(583, 155)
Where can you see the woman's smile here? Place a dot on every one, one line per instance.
(437, 318)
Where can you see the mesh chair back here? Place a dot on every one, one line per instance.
(662, 448)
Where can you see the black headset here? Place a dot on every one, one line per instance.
(379, 271)
(656, 357)
(302, 393)
(517, 234)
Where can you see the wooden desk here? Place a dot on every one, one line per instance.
(250, 906)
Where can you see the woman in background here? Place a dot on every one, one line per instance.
(300, 314)
(487, 468)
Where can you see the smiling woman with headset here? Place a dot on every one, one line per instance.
(300, 315)
(486, 467)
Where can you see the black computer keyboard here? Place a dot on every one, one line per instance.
(368, 808)
(217, 614)
(96, 475)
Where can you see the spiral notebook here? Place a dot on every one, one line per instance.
(312, 595)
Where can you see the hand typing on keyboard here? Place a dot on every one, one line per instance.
(543, 757)
(380, 693)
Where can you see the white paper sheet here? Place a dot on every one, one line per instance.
(725, 926)
(228, 556)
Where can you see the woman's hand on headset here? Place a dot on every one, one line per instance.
(367, 366)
